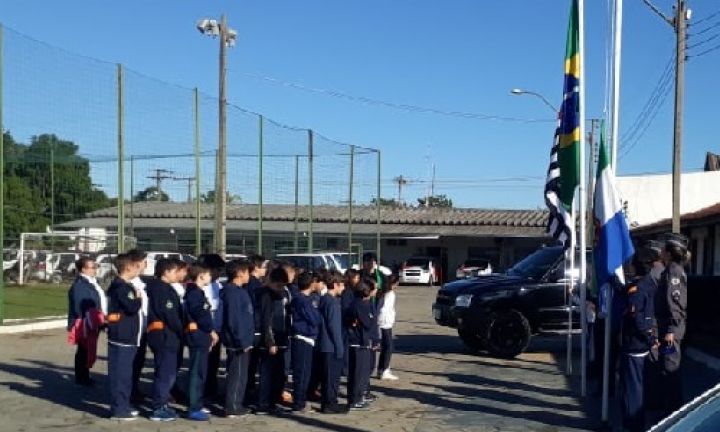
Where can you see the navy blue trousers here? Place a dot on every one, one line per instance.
(197, 374)
(331, 371)
(272, 379)
(164, 378)
(631, 381)
(359, 368)
(237, 365)
(120, 373)
(302, 366)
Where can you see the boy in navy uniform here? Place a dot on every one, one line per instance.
(305, 327)
(275, 326)
(332, 345)
(200, 336)
(254, 288)
(238, 332)
(124, 332)
(165, 331)
(139, 260)
(637, 338)
(361, 322)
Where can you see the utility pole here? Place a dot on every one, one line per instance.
(401, 181)
(160, 175)
(189, 181)
(679, 25)
(220, 194)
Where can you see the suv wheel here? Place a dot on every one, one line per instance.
(472, 340)
(508, 334)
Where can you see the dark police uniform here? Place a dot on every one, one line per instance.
(637, 338)
(124, 333)
(275, 327)
(165, 333)
(238, 334)
(332, 348)
(305, 327)
(671, 313)
(199, 325)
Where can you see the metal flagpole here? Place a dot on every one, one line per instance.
(615, 108)
(583, 203)
(570, 257)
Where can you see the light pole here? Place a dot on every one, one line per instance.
(520, 92)
(228, 36)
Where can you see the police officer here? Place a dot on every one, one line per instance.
(652, 252)
(637, 338)
(671, 313)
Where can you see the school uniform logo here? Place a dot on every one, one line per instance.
(206, 306)
(169, 304)
(675, 281)
(131, 295)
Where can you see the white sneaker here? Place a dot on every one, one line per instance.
(387, 375)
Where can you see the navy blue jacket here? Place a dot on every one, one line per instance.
(331, 330)
(254, 289)
(197, 310)
(638, 319)
(274, 318)
(305, 317)
(362, 323)
(123, 303)
(81, 298)
(238, 328)
(164, 306)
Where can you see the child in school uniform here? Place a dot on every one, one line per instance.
(165, 332)
(332, 345)
(386, 321)
(139, 260)
(200, 336)
(182, 273)
(212, 291)
(258, 269)
(275, 327)
(238, 332)
(304, 331)
(362, 324)
(124, 332)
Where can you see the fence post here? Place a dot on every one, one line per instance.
(310, 192)
(2, 183)
(196, 148)
(350, 201)
(297, 197)
(132, 195)
(260, 186)
(377, 205)
(121, 160)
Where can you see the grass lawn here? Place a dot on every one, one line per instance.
(35, 300)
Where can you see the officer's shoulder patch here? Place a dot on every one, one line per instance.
(675, 281)
(169, 304)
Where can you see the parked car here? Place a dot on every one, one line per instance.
(310, 261)
(53, 267)
(500, 313)
(419, 271)
(153, 257)
(473, 267)
(700, 415)
(105, 268)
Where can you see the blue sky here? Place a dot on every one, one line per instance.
(446, 55)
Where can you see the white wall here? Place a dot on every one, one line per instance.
(649, 197)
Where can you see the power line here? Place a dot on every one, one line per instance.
(707, 51)
(709, 17)
(628, 148)
(704, 41)
(404, 107)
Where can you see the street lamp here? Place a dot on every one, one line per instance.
(228, 36)
(520, 92)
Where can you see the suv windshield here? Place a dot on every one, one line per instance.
(537, 264)
(418, 262)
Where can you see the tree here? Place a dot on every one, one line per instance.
(209, 198)
(385, 202)
(29, 188)
(441, 201)
(150, 194)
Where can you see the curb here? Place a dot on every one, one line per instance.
(31, 327)
(709, 361)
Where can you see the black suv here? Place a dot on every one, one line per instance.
(499, 313)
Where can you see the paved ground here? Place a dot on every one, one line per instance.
(442, 388)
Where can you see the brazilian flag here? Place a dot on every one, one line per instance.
(569, 122)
